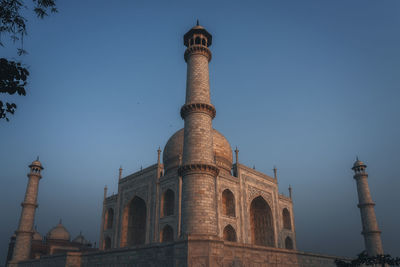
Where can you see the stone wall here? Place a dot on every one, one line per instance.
(231, 254)
(195, 252)
(70, 259)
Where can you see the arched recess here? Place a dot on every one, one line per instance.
(198, 40)
(167, 234)
(286, 219)
(288, 243)
(229, 233)
(228, 203)
(109, 218)
(167, 203)
(133, 230)
(262, 229)
(107, 242)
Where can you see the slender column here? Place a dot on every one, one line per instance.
(371, 232)
(157, 202)
(198, 167)
(22, 249)
(103, 220)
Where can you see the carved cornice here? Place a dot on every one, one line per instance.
(366, 204)
(197, 49)
(24, 232)
(33, 174)
(371, 232)
(27, 204)
(198, 107)
(198, 168)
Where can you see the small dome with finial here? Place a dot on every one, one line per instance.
(36, 236)
(59, 232)
(36, 163)
(197, 32)
(358, 163)
(80, 239)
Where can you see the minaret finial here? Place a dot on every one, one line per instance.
(357, 157)
(158, 155)
(237, 155)
(197, 23)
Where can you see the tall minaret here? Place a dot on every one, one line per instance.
(22, 249)
(371, 232)
(198, 169)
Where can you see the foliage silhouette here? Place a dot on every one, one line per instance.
(13, 74)
(364, 259)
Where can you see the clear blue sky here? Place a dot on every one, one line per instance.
(303, 85)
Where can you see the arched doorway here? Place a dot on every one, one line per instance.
(229, 233)
(288, 243)
(167, 234)
(107, 242)
(228, 203)
(168, 203)
(286, 219)
(109, 218)
(262, 229)
(136, 232)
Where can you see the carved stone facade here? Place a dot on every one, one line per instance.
(161, 200)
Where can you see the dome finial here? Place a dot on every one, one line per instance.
(37, 158)
(197, 22)
(60, 222)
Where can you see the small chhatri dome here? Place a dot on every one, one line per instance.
(37, 236)
(58, 233)
(197, 31)
(173, 150)
(359, 163)
(80, 239)
(36, 163)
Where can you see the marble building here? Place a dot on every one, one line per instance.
(197, 205)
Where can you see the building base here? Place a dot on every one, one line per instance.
(188, 253)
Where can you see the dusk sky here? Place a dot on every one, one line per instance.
(302, 85)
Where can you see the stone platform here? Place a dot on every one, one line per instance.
(196, 252)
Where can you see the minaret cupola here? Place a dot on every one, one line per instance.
(197, 39)
(36, 167)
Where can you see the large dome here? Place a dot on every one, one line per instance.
(174, 149)
(59, 233)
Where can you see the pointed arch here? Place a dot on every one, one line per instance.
(107, 242)
(261, 221)
(167, 203)
(229, 233)
(133, 230)
(288, 243)
(228, 203)
(287, 224)
(109, 218)
(167, 234)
